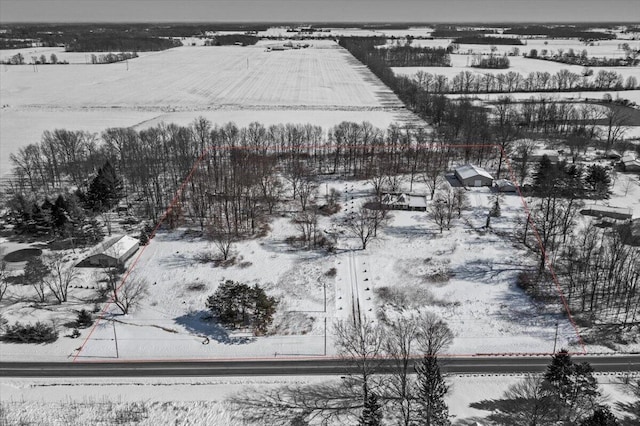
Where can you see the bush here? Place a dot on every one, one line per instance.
(84, 320)
(30, 333)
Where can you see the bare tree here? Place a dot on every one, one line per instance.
(434, 335)
(127, 294)
(307, 223)
(361, 342)
(222, 238)
(35, 272)
(60, 277)
(364, 223)
(400, 339)
(4, 275)
(443, 207)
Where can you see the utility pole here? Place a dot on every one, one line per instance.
(115, 337)
(325, 336)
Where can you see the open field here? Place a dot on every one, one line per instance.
(191, 77)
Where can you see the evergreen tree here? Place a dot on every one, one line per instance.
(105, 190)
(372, 412)
(239, 305)
(598, 180)
(602, 416)
(573, 385)
(59, 215)
(431, 389)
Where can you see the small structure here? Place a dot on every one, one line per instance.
(617, 213)
(470, 175)
(113, 252)
(402, 201)
(504, 185)
(612, 154)
(630, 163)
(552, 155)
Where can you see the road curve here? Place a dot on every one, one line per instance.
(297, 367)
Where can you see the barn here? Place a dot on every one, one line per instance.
(112, 252)
(470, 175)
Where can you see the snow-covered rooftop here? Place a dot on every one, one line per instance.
(469, 170)
(117, 246)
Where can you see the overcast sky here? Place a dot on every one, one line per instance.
(318, 10)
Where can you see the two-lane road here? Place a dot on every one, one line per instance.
(297, 367)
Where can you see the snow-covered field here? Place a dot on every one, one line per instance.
(189, 77)
(204, 401)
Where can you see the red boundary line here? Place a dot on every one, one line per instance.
(324, 146)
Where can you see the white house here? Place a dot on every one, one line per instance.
(403, 201)
(470, 175)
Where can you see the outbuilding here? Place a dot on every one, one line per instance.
(112, 252)
(617, 213)
(504, 185)
(470, 175)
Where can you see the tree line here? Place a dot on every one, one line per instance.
(467, 82)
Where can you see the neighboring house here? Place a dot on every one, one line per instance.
(504, 185)
(470, 175)
(113, 252)
(618, 213)
(401, 201)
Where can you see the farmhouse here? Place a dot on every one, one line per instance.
(617, 213)
(401, 201)
(470, 175)
(113, 252)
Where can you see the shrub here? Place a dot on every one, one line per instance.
(30, 333)
(84, 320)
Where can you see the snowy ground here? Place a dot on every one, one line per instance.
(199, 401)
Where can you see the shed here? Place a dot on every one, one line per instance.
(618, 213)
(403, 201)
(470, 175)
(113, 252)
(504, 185)
(630, 164)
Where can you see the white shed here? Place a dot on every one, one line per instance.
(112, 252)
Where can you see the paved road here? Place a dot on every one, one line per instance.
(320, 366)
